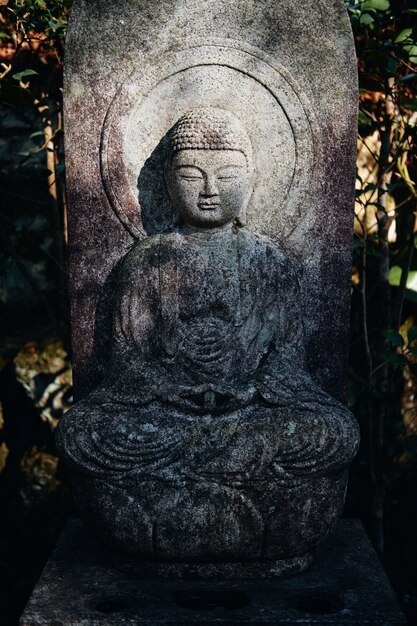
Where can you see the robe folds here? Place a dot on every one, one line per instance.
(208, 377)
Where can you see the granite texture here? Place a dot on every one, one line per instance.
(345, 585)
(133, 67)
(208, 441)
(210, 165)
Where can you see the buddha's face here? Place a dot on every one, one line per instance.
(209, 188)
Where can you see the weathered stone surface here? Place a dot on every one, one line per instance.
(208, 440)
(345, 585)
(133, 67)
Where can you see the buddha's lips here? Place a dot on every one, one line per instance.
(208, 206)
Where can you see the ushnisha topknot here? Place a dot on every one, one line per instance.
(208, 128)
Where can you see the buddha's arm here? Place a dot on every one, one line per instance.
(284, 377)
(135, 375)
(317, 434)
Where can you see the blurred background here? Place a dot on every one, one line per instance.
(35, 370)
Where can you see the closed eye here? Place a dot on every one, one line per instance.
(229, 172)
(189, 173)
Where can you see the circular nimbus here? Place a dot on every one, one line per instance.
(271, 109)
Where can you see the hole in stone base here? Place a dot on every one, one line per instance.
(207, 600)
(110, 605)
(319, 604)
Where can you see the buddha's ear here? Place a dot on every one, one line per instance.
(241, 218)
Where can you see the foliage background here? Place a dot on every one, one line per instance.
(35, 375)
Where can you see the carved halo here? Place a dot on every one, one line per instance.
(264, 97)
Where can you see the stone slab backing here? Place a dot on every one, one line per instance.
(119, 52)
(345, 585)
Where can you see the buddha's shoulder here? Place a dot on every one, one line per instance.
(261, 246)
(146, 252)
(156, 249)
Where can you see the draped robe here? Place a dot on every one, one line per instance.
(208, 378)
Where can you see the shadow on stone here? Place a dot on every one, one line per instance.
(156, 207)
(112, 603)
(103, 322)
(319, 603)
(206, 600)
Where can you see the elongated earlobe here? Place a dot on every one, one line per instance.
(241, 219)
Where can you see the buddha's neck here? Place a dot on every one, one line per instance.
(198, 231)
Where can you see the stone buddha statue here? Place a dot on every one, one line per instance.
(208, 445)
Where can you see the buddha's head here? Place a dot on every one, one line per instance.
(209, 171)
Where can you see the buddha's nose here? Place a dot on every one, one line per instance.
(210, 186)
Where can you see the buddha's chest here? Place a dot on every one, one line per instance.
(209, 280)
(214, 300)
(207, 293)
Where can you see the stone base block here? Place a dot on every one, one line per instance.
(345, 585)
(251, 570)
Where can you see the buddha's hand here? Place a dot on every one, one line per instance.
(210, 397)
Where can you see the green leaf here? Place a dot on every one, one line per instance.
(363, 119)
(410, 49)
(410, 76)
(410, 104)
(39, 133)
(398, 360)
(25, 74)
(376, 5)
(394, 337)
(395, 277)
(404, 35)
(366, 19)
(413, 351)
